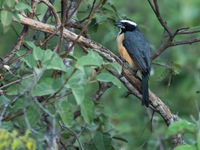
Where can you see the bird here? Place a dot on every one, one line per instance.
(135, 49)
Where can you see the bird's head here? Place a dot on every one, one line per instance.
(126, 25)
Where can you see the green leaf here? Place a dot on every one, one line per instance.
(91, 59)
(38, 53)
(79, 78)
(180, 126)
(30, 61)
(107, 141)
(198, 140)
(87, 110)
(89, 146)
(176, 69)
(49, 59)
(10, 3)
(20, 103)
(32, 115)
(53, 61)
(66, 112)
(4, 100)
(107, 77)
(100, 18)
(102, 141)
(6, 18)
(185, 147)
(13, 90)
(98, 141)
(79, 93)
(30, 44)
(116, 66)
(46, 86)
(18, 88)
(22, 6)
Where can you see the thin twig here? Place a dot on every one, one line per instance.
(74, 133)
(155, 8)
(16, 81)
(44, 109)
(58, 22)
(85, 27)
(16, 59)
(47, 39)
(6, 106)
(44, 20)
(191, 41)
(74, 11)
(81, 21)
(62, 85)
(28, 123)
(103, 87)
(17, 46)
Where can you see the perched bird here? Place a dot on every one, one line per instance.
(134, 48)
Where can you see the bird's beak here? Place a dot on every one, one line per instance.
(119, 24)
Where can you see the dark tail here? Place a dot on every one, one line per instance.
(145, 91)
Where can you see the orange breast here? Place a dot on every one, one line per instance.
(122, 50)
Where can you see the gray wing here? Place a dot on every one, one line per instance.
(138, 49)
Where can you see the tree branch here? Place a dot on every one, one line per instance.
(58, 22)
(155, 8)
(17, 46)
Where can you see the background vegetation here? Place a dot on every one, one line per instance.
(34, 116)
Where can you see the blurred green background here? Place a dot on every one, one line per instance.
(177, 86)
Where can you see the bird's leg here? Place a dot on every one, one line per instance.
(135, 70)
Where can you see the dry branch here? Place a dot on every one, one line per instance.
(58, 22)
(17, 46)
(171, 35)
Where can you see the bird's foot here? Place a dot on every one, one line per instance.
(135, 70)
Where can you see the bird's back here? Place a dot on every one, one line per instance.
(138, 48)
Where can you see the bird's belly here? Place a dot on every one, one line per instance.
(123, 52)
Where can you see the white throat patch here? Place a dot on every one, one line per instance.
(129, 21)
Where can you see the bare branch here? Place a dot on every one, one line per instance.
(62, 85)
(6, 106)
(85, 27)
(74, 133)
(155, 8)
(191, 41)
(103, 87)
(58, 22)
(17, 46)
(74, 11)
(44, 19)
(16, 81)
(89, 13)
(170, 44)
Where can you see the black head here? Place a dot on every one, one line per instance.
(126, 25)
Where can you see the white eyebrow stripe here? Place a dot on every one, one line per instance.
(128, 21)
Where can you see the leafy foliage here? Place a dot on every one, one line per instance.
(45, 99)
